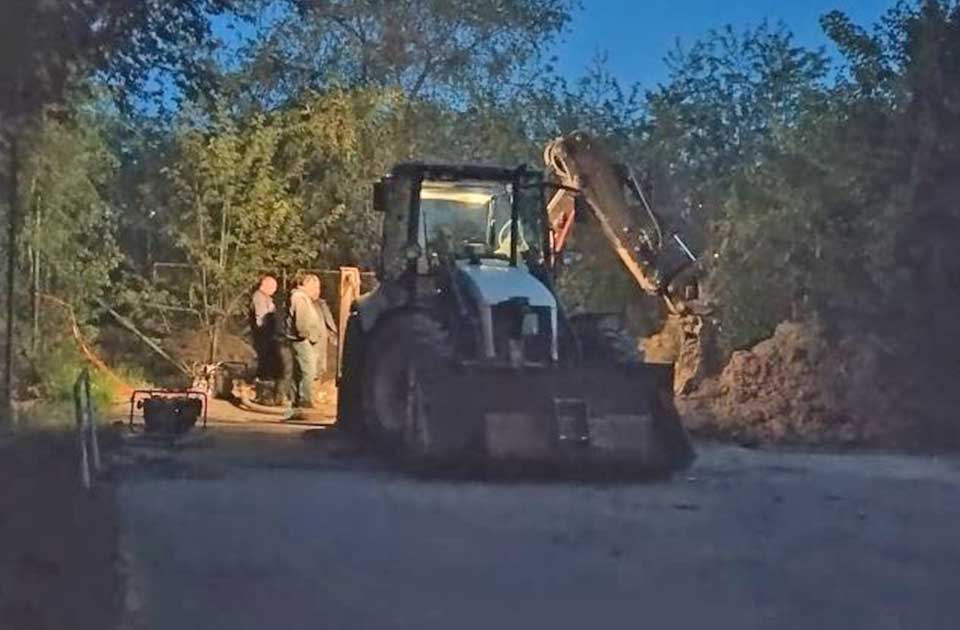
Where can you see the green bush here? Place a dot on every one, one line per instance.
(57, 369)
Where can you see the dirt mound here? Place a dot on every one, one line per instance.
(190, 347)
(800, 387)
(689, 343)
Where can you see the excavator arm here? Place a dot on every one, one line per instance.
(659, 264)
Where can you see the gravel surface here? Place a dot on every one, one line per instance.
(219, 538)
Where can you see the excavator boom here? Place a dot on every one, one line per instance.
(631, 228)
(581, 165)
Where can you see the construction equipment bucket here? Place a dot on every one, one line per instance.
(589, 418)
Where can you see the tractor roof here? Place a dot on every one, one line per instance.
(454, 172)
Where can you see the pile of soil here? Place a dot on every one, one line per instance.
(188, 346)
(800, 387)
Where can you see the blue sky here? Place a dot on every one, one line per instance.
(636, 35)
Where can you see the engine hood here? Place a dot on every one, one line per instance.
(493, 282)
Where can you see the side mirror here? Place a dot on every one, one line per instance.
(380, 196)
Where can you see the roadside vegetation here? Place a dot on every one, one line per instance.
(156, 161)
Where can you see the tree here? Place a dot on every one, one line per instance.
(430, 49)
(277, 193)
(68, 237)
(897, 111)
(233, 217)
(66, 250)
(834, 200)
(339, 142)
(723, 143)
(47, 46)
(730, 98)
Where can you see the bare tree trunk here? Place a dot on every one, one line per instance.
(13, 202)
(220, 319)
(224, 223)
(214, 341)
(148, 250)
(35, 269)
(35, 289)
(204, 289)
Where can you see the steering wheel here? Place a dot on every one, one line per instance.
(503, 239)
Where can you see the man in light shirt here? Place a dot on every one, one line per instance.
(263, 328)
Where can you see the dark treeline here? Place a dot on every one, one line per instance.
(232, 137)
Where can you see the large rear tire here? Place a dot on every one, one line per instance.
(399, 366)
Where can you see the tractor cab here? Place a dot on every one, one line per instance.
(441, 213)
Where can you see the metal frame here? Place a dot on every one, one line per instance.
(169, 393)
(454, 172)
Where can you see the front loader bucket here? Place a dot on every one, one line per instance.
(618, 418)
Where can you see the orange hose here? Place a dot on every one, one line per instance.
(124, 388)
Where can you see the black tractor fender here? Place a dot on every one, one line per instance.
(350, 374)
(384, 300)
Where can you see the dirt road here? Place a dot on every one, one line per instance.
(57, 542)
(228, 537)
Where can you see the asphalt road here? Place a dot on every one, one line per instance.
(744, 540)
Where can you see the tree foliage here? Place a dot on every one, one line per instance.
(813, 188)
(827, 198)
(50, 48)
(432, 49)
(68, 237)
(286, 191)
(47, 45)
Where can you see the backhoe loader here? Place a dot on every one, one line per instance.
(465, 353)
